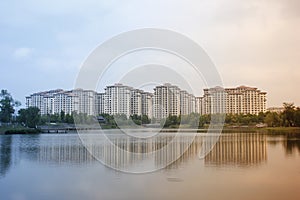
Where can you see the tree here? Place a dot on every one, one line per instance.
(120, 119)
(193, 120)
(171, 121)
(69, 119)
(297, 117)
(7, 104)
(261, 117)
(272, 119)
(136, 119)
(145, 119)
(62, 116)
(30, 116)
(288, 114)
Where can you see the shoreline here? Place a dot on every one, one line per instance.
(18, 130)
(271, 130)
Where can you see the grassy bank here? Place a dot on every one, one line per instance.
(18, 130)
(272, 130)
(282, 129)
(251, 129)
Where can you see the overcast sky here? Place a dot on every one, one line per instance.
(253, 43)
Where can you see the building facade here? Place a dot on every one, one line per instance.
(166, 100)
(171, 100)
(147, 104)
(100, 103)
(117, 99)
(240, 100)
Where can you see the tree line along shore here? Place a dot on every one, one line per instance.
(29, 120)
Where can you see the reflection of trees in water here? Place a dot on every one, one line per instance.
(289, 141)
(292, 143)
(238, 150)
(5, 154)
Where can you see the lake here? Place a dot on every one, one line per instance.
(240, 166)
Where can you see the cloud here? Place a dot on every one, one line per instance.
(22, 52)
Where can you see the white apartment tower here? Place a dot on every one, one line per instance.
(136, 102)
(55, 101)
(147, 104)
(214, 100)
(167, 101)
(187, 103)
(240, 100)
(118, 99)
(67, 102)
(86, 101)
(100, 103)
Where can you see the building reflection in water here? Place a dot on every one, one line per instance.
(232, 149)
(66, 149)
(134, 153)
(239, 150)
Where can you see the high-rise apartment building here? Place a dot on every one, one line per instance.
(166, 100)
(117, 99)
(187, 103)
(100, 103)
(86, 101)
(214, 101)
(121, 99)
(240, 100)
(67, 102)
(136, 102)
(171, 100)
(55, 101)
(147, 104)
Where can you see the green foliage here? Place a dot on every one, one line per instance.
(7, 106)
(297, 117)
(69, 119)
(273, 119)
(288, 114)
(55, 118)
(192, 120)
(109, 120)
(83, 118)
(171, 120)
(30, 117)
(62, 116)
(242, 119)
(121, 120)
(22, 131)
(204, 119)
(145, 119)
(290, 117)
(114, 121)
(136, 119)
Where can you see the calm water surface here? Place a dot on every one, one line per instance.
(241, 166)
